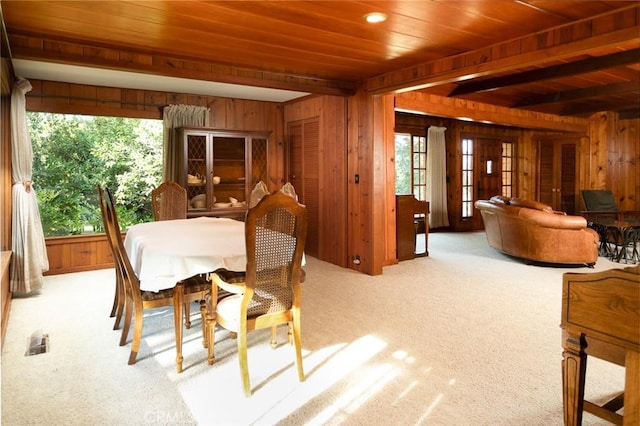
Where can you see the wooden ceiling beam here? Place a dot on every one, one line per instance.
(462, 109)
(579, 94)
(597, 63)
(593, 107)
(75, 52)
(606, 31)
(629, 114)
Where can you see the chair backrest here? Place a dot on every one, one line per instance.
(121, 259)
(169, 201)
(599, 200)
(275, 233)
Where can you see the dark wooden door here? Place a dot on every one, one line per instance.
(488, 169)
(557, 174)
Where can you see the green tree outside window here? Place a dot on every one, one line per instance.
(72, 154)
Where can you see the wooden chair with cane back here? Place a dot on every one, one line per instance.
(269, 295)
(169, 201)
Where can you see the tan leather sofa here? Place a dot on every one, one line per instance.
(535, 232)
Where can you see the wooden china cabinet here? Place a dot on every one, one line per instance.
(220, 169)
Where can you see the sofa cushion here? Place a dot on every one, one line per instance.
(500, 199)
(531, 204)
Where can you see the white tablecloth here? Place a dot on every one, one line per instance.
(165, 252)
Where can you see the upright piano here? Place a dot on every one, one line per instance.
(412, 218)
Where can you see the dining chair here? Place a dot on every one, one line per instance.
(169, 201)
(136, 300)
(275, 235)
(119, 295)
(601, 210)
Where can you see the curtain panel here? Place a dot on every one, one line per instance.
(437, 177)
(174, 116)
(29, 258)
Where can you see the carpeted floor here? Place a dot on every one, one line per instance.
(466, 336)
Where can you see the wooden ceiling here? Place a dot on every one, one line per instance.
(327, 47)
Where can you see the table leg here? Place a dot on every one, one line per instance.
(178, 303)
(211, 322)
(574, 366)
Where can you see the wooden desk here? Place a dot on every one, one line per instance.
(601, 318)
(409, 214)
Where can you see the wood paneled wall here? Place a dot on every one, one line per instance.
(78, 253)
(612, 158)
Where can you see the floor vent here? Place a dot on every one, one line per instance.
(37, 343)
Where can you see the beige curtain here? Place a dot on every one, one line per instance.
(437, 177)
(175, 116)
(29, 257)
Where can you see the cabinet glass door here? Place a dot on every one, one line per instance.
(258, 162)
(196, 183)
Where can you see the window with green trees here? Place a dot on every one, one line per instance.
(72, 154)
(411, 165)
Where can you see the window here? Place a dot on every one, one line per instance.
(72, 154)
(411, 165)
(467, 177)
(507, 169)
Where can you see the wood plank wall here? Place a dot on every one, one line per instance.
(614, 157)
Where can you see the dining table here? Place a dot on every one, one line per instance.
(163, 253)
(619, 237)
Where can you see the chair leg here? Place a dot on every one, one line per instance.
(242, 357)
(137, 334)
(274, 337)
(211, 338)
(178, 303)
(297, 344)
(128, 312)
(187, 314)
(115, 301)
(203, 320)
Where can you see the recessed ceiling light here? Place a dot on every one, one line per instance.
(375, 17)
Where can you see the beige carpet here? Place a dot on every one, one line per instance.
(466, 336)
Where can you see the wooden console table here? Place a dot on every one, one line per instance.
(601, 318)
(412, 217)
